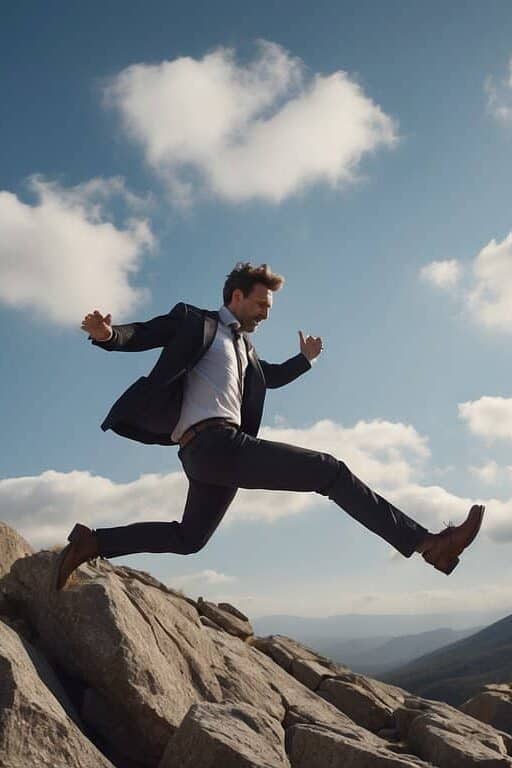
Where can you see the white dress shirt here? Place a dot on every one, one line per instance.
(211, 388)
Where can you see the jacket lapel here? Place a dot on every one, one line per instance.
(253, 358)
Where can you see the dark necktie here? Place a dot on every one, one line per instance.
(237, 335)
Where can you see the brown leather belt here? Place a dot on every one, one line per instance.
(194, 430)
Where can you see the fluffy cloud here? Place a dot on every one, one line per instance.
(384, 454)
(62, 257)
(263, 130)
(487, 295)
(489, 417)
(44, 508)
(442, 274)
(490, 300)
(488, 473)
(499, 97)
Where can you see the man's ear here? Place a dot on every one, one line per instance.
(237, 295)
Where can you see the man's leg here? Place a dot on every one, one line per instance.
(205, 507)
(226, 456)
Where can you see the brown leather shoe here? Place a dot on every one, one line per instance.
(83, 546)
(442, 549)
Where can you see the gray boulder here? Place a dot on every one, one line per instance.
(227, 617)
(227, 735)
(140, 646)
(367, 702)
(38, 725)
(493, 705)
(310, 746)
(447, 737)
(12, 547)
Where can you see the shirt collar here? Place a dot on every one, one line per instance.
(227, 317)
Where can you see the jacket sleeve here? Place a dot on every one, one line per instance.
(137, 337)
(277, 375)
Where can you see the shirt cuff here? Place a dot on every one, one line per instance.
(104, 341)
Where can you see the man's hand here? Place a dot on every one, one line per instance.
(311, 346)
(97, 326)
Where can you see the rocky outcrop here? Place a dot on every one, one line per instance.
(135, 673)
(367, 702)
(38, 724)
(446, 737)
(225, 616)
(493, 705)
(12, 547)
(139, 645)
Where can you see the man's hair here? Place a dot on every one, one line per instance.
(245, 277)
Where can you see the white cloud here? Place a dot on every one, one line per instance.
(442, 274)
(44, 508)
(489, 417)
(499, 97)
(197, 580)
(435, 507)
(263, 130)
(490, 300)
(383, 453)
(487, 296)
(488, 473)
(62, 257)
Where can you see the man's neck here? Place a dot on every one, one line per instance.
(228, 316)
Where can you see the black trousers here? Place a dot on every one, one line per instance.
(222, 459)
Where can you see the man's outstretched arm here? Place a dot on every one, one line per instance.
(133, 337)
(280, 374)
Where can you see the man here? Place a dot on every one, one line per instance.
(206, 394)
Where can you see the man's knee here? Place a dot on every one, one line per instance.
(332, 470)
(193, 546)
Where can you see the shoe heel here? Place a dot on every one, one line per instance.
(450, 566)
(77, 531)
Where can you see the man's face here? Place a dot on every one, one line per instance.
(252, 309)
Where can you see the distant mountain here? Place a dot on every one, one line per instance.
(372, 656)
(354, 626)
(456, 672)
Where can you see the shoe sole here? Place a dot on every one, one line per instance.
(477, 529)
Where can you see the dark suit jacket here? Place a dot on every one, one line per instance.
(149, 410)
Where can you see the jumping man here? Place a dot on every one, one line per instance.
(206, 394)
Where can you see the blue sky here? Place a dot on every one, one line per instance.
(363, 150)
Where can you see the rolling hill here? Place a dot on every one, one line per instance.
(456, 672)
